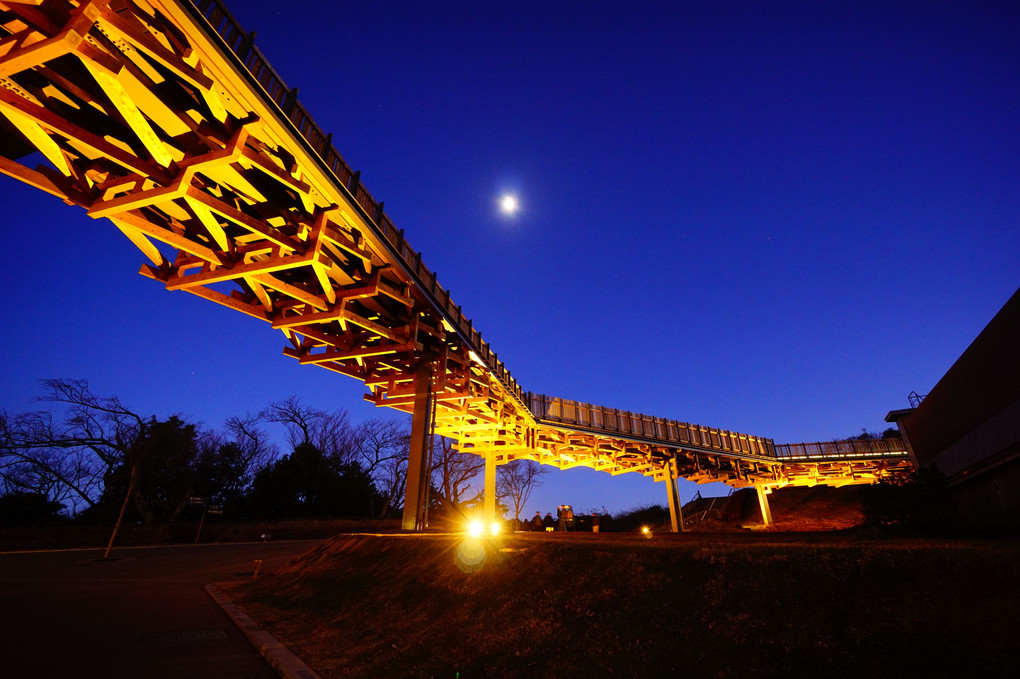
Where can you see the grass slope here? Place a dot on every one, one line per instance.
(576, 605)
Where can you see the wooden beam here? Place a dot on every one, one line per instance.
(171, 238)
(124, 104)
(127, 28)
(219, 274)
(218, 297)
(12, 102)
(254, 225)
(32, 178)
(38, 53)
(360, 352)
(339, 313)
(300, 294)
(140, 241)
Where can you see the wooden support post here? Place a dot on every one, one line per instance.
(417, 461)
(763, 502)
(489, 506)
(290, 102)
(245, 48)
(676, 516)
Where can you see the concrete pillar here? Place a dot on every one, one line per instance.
(417, 461)
(763, 502)
(489, 506)
(676, 516)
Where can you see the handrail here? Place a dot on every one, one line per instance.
(242, 43)
(600, 418)
(691, 520)
(843, 449)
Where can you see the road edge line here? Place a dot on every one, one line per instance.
(279, 657)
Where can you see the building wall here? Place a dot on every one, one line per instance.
(984, 381)
(991, 500)
(968, 426)
(981, 446)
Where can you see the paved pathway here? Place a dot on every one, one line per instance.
(143, 614)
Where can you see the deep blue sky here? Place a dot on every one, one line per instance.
(776, 218)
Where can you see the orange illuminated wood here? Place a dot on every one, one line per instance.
(219, 190)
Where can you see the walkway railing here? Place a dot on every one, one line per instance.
(242, 44)
(694, 512)
(614, 421)
(843, 449)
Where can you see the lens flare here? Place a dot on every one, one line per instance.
(470, 555)
(475, 528)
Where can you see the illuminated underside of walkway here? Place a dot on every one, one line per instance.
(165, 119)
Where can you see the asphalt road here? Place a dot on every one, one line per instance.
(144, 613)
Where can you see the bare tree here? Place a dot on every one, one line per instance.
(298, 419)
(227, 463)
(257, 450)
(333, 436)
(381, 447)
(378, 441)
(391, 481)
(69, 477)
(72, 457)
(97, 436)
(515, 481)
(329, 432)
(452, 474)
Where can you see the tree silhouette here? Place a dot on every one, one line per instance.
(381, 447)
(452, 476)
(515, 481)
(307, 483)
(330, 432)
(164, 455)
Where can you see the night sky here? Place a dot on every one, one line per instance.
(775, 218)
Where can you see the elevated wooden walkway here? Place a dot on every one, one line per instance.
(163, 117)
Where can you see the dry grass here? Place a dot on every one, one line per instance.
(592, 606)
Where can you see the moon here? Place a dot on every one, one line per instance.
(508, 204)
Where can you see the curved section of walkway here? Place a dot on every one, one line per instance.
(210, 165)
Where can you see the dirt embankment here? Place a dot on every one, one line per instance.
(582, 605)
(819, 508)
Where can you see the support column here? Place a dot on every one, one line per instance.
(676, 516)
(763, 502)
(417, 460)
(489, 506)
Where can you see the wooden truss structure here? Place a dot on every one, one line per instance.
(164, 118)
